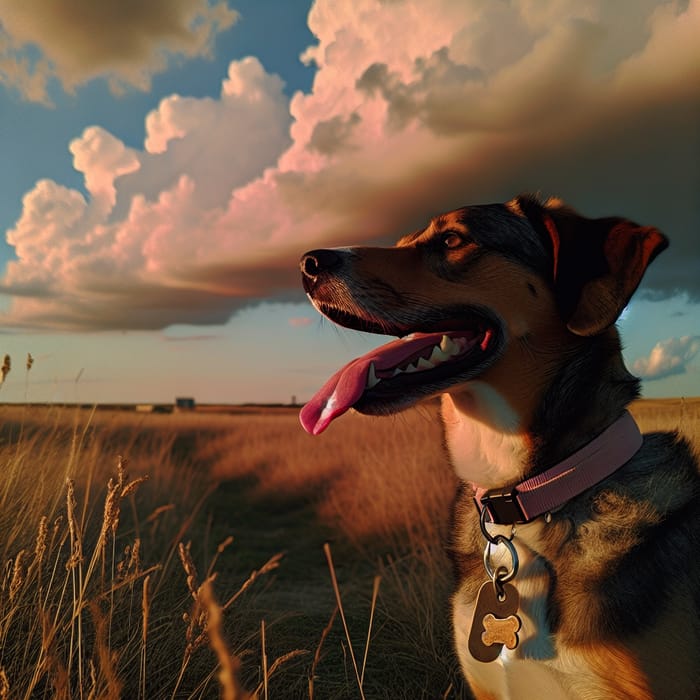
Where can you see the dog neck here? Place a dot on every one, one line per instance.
(589, 392)
(491, 446)
(486, 443)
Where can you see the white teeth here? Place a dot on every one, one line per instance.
(437, 356)
(447, 345)
(372, 378)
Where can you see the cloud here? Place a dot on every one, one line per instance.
(130, 255)
(74, 41)
(190, 338)
(668, 357)
(102, 158)
(596, 102)
(300, 322)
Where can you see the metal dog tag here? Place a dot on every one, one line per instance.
(495, 623)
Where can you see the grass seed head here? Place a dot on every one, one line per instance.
(41, 536)
(130, 565)
(4, 685)
(110, 517)
(135, 561)
(145, 608)
(121, 471)
(18, 574)
(189, 567)
(5, 369)
(76, 556)
(132, 486)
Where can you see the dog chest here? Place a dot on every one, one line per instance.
(512, 676)
(533, 670)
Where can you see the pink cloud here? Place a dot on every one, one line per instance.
(300, 322)
(102, 158)
(226, 193)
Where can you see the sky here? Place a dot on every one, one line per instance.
(163, 169)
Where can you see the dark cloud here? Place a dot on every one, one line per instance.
(438, 81)
(78, 40)
(333, 135)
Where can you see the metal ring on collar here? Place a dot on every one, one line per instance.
(496, 573)
(493, 539)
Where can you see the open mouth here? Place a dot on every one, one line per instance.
(400, 373)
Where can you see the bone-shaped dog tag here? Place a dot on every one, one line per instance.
(495, 622)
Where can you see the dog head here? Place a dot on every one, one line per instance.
(498, 292)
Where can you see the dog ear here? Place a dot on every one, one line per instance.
(597, 264)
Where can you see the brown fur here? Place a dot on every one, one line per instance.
(610, 587)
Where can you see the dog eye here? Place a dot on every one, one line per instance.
(452, 240)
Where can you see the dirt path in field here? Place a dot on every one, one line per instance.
(296, 600)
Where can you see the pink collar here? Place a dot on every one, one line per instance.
(543, 493)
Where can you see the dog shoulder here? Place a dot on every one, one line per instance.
(634, 543)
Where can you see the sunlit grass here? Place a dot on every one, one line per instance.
(93, 594)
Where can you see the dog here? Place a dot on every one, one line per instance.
(575, 540)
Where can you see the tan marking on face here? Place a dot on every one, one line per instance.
(537, 339)
(486, 418)
(538, 342)
(444, 222)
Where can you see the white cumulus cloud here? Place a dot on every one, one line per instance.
(668, 357)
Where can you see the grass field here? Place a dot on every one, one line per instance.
(182, 556)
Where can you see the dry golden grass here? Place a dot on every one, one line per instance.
(113, 568)
(681, 414)
(374, 478)
(87, 603)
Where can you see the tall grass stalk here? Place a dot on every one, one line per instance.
(228, 663)
(317, 654)
(145, 608)
(264, 660)
(339, 602)
(375, 593)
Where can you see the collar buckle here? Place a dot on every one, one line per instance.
(503, 507)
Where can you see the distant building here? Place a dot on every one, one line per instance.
(145, 408)
(184, 403)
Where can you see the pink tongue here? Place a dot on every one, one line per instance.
(348, 384)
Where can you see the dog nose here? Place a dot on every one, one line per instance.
(317, 262)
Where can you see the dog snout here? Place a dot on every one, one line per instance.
(316, 263)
